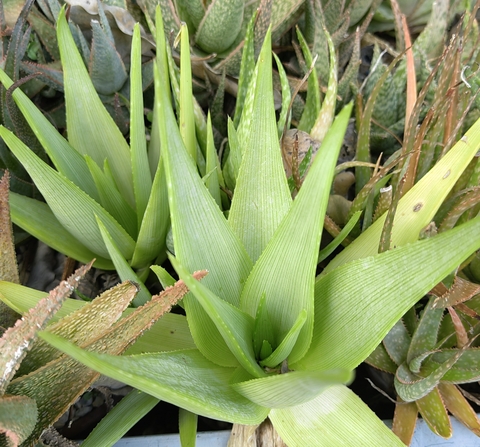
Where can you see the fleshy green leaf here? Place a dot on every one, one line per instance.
(187, 427)
(262, 197)
(335, 417)
(285, 270)
(111, 199)
(186, 118)
(120, 419)
(284, 349)
(226, 258)
(184, 378)
(65, 158)
(91, 129)
(151, 240)
(290, 389)
(121, 266)
(344, 298)
(419, 205)
(72, 207)
(142, 180)
(235, 326)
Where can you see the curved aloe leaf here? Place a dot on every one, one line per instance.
(91, 129)
(285, 271)
(184, 378)
(290, 389)
(335, 417)
(346, 294)
(74, 209)
(65, 158)
(37, 219)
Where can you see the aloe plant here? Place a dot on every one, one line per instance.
(271, 339)
(37, 383)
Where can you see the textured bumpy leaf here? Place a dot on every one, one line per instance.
(285, 270)
(262, 197)
(84, 325)
(60, 194)
(417, 208)
(372, 307)
(290, 389)
(220, 25)
(59, 383)
(17, 340)
(170, 333)
(335, 417)
(18, 415)
(8, 260)
(91, 129)
(184, 378)
(196, 217)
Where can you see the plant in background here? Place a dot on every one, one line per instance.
(430, 356)
(271, 339)
(106, 199)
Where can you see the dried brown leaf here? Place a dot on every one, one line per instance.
(461, 291)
